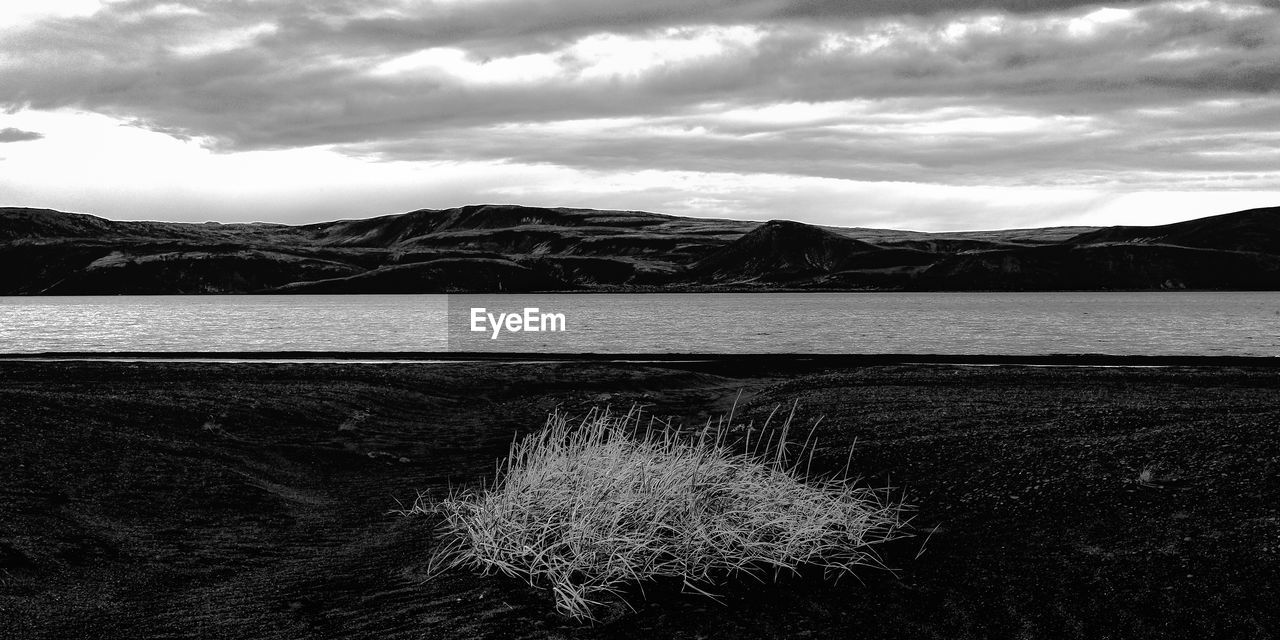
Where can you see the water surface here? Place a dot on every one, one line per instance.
(1154, 323)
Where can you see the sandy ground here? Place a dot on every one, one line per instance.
(253, 500)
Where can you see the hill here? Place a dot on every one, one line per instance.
(1253, 230)
(491, 248)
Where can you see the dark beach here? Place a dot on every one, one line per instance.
(253, 500)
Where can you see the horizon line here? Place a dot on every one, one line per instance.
(591, 209)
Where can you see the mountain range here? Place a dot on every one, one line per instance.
(511, 248)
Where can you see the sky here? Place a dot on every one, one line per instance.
(907, 114)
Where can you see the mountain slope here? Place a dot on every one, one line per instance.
(1254, 230)
(1103, 267)
(32, 224)
(447, 275)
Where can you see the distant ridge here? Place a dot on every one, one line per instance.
(508, 248)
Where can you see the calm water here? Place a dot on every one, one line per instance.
(1174, 323)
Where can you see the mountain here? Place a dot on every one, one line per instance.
(784, 252)
(511, 248)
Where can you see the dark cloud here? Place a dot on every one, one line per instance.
(242, 74)
(10, 134)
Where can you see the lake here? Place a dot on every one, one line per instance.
(1145, 323)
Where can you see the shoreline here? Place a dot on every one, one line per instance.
(751, 360)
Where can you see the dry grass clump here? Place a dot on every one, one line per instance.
(588, 507)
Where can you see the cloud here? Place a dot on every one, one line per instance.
(11, 134)
(246, 78)
(1211, 143)
(999, 93)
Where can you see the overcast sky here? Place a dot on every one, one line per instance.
(884, 113)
